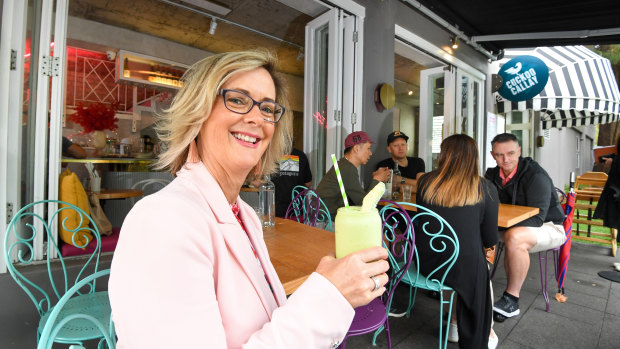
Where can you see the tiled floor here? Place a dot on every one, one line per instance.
(589, 319)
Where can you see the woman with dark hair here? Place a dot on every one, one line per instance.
(457, 192)
(608, 207)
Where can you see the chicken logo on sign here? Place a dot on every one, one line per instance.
(524, 77)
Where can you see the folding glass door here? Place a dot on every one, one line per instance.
(31, 112)
(331, 106)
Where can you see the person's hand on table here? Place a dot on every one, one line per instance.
(352, 274)
(382, 174)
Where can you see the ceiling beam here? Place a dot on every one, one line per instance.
(210, 6)
(191, 9)
(547, 35)
(455, 30)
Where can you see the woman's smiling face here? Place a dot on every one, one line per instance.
(235, 142)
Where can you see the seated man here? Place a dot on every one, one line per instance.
(294, 170)
(357, 152)
(410, 168)
(71, 149)
(522, 181)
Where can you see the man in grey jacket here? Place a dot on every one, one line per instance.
(521, 181)
(357, 152)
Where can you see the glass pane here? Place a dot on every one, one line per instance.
(516, 117)
(407, 90)
(31, 52)
(518, 134)
(475, 110)
(465, 117)
(319, 113)
(437, 98)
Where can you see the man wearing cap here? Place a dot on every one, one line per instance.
(357, 152)
(410, 168)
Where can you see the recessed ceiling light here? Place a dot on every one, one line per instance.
(410, 92)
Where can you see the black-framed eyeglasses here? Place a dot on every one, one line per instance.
(240, 103)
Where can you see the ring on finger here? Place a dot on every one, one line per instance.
(377, 282)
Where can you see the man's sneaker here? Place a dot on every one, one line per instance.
(453, 333)
(507, 306)
(497, 317)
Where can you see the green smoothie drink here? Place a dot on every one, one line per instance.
(356, 229)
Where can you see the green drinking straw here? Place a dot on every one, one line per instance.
(344, 195)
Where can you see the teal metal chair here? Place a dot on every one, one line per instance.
(441, 240)
(84, 300)
(149, 186)
(307, 207)
(64, 312)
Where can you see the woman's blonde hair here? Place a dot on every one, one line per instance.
(192, 106)
(456, 181)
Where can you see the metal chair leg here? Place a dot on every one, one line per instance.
(543, 277)
(498, 254)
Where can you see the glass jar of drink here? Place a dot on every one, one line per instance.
(356, 230)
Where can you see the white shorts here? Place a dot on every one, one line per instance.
(549, 236)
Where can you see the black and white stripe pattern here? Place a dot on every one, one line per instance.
(582, 88)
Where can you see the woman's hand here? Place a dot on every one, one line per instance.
(352, 274)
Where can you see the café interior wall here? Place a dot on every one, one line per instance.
(379, 35)
(407, 124)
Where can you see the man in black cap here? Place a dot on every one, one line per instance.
(410, 168)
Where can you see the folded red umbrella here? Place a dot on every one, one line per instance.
(569, 208)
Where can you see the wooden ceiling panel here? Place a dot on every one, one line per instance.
(189, 28)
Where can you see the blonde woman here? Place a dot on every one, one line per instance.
(469, 203)
(191, 268)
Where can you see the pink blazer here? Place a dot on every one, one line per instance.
(184, 276)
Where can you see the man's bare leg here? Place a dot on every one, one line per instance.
(518, 242)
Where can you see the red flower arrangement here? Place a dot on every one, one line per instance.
(96, 116)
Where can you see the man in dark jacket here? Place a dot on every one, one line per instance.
(521, 181)
(608, 207)
(356, 153)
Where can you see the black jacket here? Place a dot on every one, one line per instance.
(531, 186)
(608, 207)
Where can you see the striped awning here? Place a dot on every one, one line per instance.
(582, 88)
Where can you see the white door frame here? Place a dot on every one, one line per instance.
(426, 109)
(46, 152)
(11, 81)
(329, 19)
(451, 90)
(344, 82)
(479, 108)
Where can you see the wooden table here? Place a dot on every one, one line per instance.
(510, 215)
(295, 250)
(507, 216)
(106, 194)
(249, 190)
